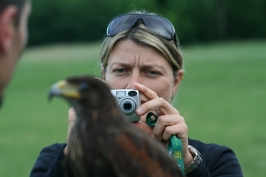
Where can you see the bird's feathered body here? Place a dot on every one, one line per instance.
(103, 143)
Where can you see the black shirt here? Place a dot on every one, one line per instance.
(217, 161)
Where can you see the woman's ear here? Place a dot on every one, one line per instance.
(8, 28)
(177, 81)
(102, 73)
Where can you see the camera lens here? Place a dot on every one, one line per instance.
(127, 106)
(132, 93)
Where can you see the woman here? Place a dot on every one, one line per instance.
(141, 51)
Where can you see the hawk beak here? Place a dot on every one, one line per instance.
(64, 89)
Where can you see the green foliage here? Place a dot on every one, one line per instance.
(221, 97)
(247, 21)
(195, 21)
(68, 21)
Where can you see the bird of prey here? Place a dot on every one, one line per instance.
(103, 142)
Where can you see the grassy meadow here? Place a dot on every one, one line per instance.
(222, 98)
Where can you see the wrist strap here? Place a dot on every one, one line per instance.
(174, 145)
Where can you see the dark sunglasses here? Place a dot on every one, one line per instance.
(157, 24)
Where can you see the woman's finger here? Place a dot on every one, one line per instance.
(164, 127)
(157, 104)
(149, 94)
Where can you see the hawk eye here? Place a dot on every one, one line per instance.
(83, 86)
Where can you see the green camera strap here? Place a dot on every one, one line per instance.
(174, 145)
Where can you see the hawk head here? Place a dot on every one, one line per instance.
(83, 92)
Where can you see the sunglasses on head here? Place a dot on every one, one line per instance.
(157, 24)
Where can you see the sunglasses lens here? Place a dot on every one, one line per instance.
(119, 24)
(160, 26)
(157, 24)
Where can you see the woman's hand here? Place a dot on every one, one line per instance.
(169, 122)
(71, 122)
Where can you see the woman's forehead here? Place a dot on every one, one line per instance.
(128, 49)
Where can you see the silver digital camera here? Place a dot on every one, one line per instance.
(128, 101)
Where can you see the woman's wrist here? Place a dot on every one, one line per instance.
(196, 159)
(188, 159)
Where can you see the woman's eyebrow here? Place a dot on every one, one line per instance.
(155, 66)
(119, 64)
(147, 66)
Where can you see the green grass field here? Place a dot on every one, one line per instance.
(222, 98)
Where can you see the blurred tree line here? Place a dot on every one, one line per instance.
(58, 21)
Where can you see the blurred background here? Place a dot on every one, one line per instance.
(222, 95)
(195, 22)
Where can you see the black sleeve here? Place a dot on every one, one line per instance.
(50, 162)
(218, 161)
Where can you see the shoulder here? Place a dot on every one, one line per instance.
(217, 157)
(56, 146)
(204, 147)
(49, 161)
(53, 150)
(211, 149)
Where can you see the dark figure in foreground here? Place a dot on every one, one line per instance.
(102, 141)
(14, 16)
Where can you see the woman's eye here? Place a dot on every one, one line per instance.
(119, 71)
(153, 73)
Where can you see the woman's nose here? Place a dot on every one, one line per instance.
(135, 78)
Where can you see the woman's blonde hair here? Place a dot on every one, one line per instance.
(140, 34)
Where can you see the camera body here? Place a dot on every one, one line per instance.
(128, 101)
